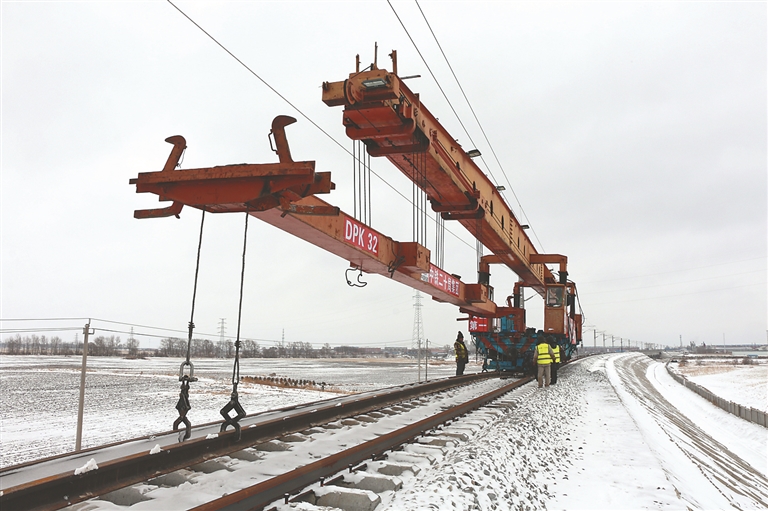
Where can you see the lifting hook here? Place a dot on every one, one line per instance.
(359, 282)
(281, 141)
(234, 404)
(179, 146)
(183, 407)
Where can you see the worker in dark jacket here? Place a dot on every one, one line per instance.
(556, 362)
(543, 357)
(462, 355)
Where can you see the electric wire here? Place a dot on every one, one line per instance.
(435, 79)
(482, 130)
(382, 303)
(660, 297)
(102, 321)
(30, 330)
(454, 110)
(623, 289)
(257, 76)
(299, 111)
(150, 335)
(675, 271)
(101, 329)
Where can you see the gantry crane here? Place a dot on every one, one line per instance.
(381, 111)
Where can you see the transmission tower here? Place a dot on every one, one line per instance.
(418, 328)
(222, 328)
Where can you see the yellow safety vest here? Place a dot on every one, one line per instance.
(461, 350)
(556, 349)
(543, 358)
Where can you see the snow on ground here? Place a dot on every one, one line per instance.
(595, 441)
(132, 398)
(571, 446)
(731, 379)
(616, 432)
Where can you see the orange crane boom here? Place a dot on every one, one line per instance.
(390, 119)
(282, 194)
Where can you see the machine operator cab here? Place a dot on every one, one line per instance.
(555, 311)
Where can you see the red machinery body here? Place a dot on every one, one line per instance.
(380, 110)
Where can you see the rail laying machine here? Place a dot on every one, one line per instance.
(389, 119)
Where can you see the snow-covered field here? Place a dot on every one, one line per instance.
(132, 398)
(616, 432)
(731, 379)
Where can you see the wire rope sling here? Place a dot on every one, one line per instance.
(234, 403)
(183, 405)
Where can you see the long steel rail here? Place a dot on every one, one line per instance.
(260, 495)
(64, 489)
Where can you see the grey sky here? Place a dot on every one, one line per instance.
(634, 135)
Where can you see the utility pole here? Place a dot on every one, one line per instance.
(418, 328)
(621, 343)
(418, 359)
(79, 436)
(603, 340)
(222, 328)
(594, 336)
(612, 343)
(426, 362)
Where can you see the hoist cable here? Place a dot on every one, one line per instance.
(236, 369)
(183, 405)
(194, 289)
(354, 178)
(234, 402)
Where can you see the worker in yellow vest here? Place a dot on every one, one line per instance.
(462, 355)
(557, 350)
(543, 356)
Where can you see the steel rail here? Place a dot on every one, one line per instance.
(61, 490)
(260, 495)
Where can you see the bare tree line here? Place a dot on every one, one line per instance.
(112, 346)
(205, 348)
(108, 346)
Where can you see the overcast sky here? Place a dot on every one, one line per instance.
(633, 134)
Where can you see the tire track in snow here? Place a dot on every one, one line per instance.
(736, 480)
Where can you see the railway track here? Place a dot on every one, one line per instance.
(280, 453)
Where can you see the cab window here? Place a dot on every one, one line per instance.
(554, 297)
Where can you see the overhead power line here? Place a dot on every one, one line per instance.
(299, 111)
(41, 319)
(34, 330)
(479, 124)
(680, 294)
(677, 270)
(676, 283)
(93, 324)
